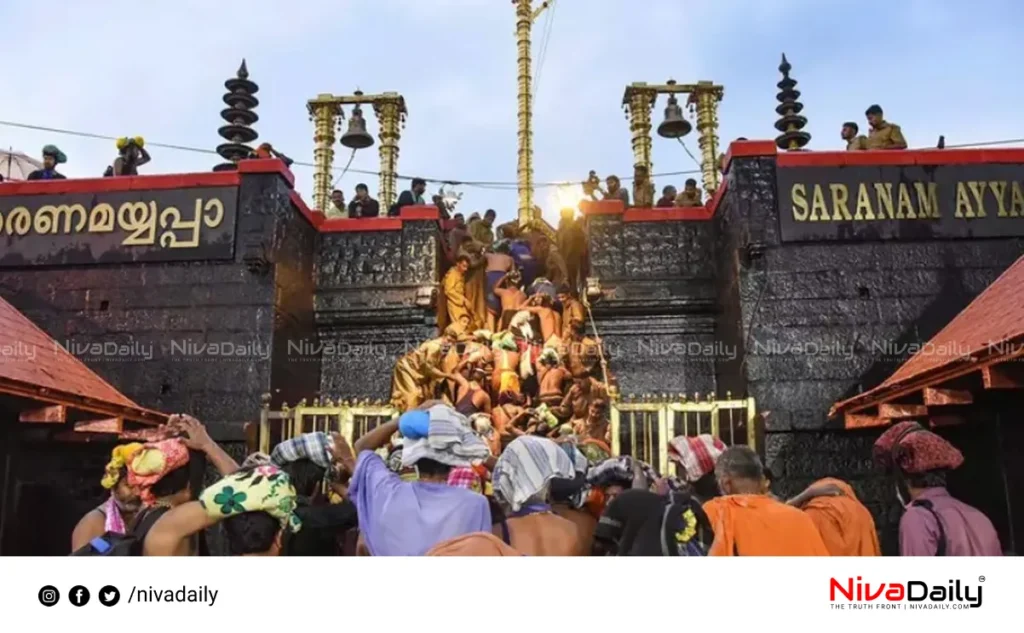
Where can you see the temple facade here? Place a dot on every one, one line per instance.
(809, 278)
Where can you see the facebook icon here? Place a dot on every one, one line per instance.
(79, 596)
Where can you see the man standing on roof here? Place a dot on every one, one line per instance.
(934, 524)
(51, 158)
(883, 135)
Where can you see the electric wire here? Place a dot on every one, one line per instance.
(495, 185)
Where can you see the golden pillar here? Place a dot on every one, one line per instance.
(324, 117)
(640, 101)
(707, 97)
(524, 172)
(390, 110)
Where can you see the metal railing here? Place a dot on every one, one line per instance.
(351, 419)
(642, 426)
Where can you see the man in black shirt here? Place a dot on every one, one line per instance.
(363, 206)
(409, 197)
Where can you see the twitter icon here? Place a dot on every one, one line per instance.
(109, 596)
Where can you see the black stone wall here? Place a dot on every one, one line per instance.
(192, 337)
(657, 315)
(821, 322)
(366, 311)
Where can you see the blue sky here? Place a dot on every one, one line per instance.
(119, 67)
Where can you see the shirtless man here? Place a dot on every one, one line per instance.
(550, 321)
(585, 389)
(510, 295)
(552, 377)
(509, 417)
(470, 396)
(505, 376)
(582, 353)
(595, 424)
(499, 263)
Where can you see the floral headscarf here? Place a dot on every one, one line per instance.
(119, 458)
(261, 489)
(153, 462)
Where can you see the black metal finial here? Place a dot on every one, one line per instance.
(790, 123)
(240, 115)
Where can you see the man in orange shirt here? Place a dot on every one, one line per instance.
(845, 525)
(747, 522)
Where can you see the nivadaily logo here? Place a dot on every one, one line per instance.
(911, 594)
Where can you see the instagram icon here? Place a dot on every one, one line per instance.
(49, 596)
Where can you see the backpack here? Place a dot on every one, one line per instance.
(128, 544)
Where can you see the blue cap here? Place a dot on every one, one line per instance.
(414, 424)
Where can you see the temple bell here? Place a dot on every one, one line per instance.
(356, 137)
(675, 124)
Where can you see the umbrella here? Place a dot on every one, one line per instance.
(16, 165)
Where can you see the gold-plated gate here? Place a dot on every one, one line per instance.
(351, 419)
(642, 426)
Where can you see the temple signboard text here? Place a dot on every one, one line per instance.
(118, 226)
(913, 202)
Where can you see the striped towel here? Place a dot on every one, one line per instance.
(450, 440)
(312, 446)
(697, 455)
(525, 468)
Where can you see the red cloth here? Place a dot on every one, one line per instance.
(697, 455)
(919, 450)
(465, 477)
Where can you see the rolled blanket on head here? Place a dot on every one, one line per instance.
(316, 447)
(450, 440)
(119, 458)
(619, 471)
(526, 467)
(482, 425)
(543, 413)
(483, 336)
(521, 321)
(595, 450)
(260, 489)
(919, 451)
(504, 341)
(153, 462)
(697, 455)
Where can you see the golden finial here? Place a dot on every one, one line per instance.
(329, 402)
(284, 406)
(265, 400)
(664, 397)
(302, 403)
(728, 395)
(696, 396)
(631, 397)
(316, 401)
(345, 403)
(378, 402)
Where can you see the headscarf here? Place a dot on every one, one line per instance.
(153, 462)
(919, 450)
(618, 471)
(697, 455)
(122, 142)
(450, 440)
(504, 341)
(475, 544)
(642, 523)
(58, 156)
(465, 477)
(316, 447)
(595, 450)
(525, 468)
(261, 489)
(119, 458)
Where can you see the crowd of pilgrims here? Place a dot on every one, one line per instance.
(440, 490)
(501, 448)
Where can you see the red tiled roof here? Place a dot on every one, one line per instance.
(990, 328)
(34, 365)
